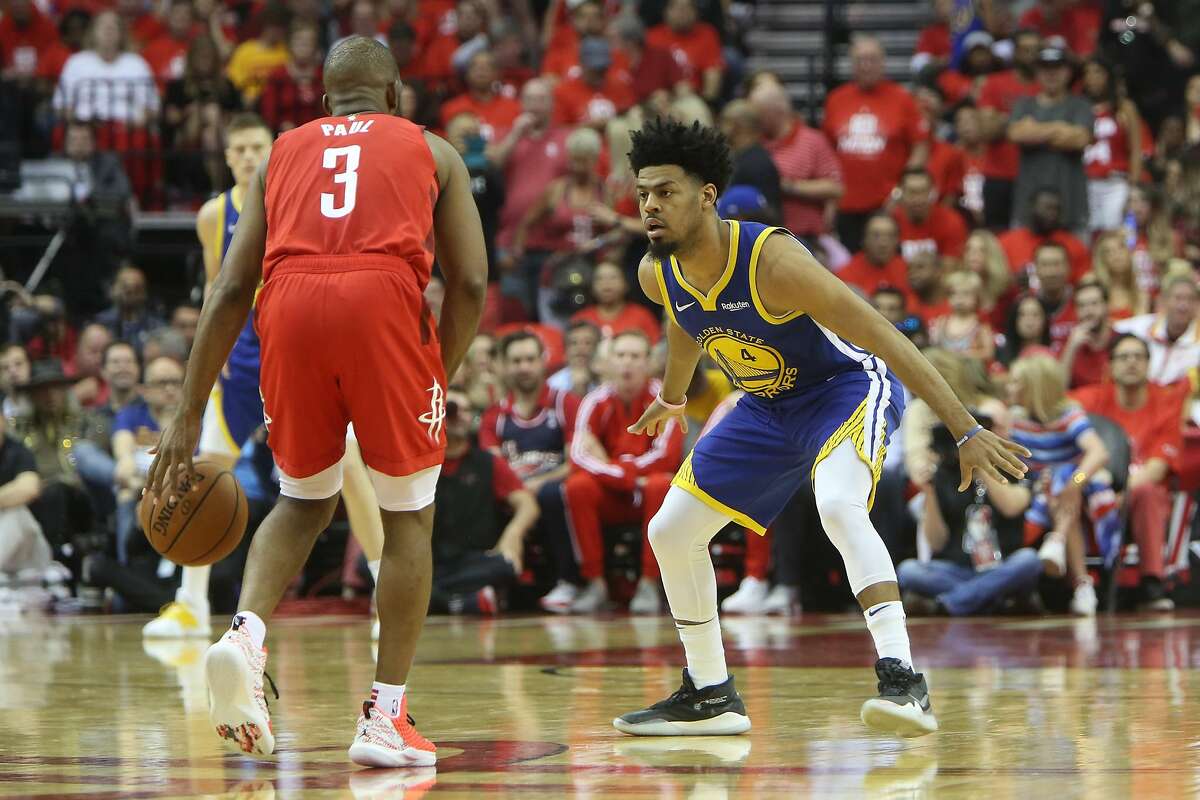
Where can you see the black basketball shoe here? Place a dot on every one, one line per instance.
(711, 711)
(903, 706)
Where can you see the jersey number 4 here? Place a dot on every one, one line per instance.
(347, 177)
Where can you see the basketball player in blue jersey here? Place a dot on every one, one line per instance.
(235, 409)
(821, 371)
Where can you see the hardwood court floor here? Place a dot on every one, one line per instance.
(1044, 709)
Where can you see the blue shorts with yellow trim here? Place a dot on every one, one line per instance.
(234, 413)
(755, 459)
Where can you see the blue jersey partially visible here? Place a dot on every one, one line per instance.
(807, 389)
(766, 356)
(245, 358)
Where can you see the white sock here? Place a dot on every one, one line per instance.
(387, 697)
(373, 566)
(705, 653)
(254, 625)
(886, 622)
(195, 587)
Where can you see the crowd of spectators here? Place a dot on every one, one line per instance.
(1027, 210)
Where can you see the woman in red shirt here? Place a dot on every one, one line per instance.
(611, 311)
(1114, 158)
(1113, 265)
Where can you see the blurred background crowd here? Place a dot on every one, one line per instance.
(1015, 185)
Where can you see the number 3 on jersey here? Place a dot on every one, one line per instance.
(348, 177)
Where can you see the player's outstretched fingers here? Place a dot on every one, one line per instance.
(1010, 463)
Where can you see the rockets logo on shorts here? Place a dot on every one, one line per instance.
(436, 414)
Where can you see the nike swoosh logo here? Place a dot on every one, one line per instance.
(684, 308)
(875, 611)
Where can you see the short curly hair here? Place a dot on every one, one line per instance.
(699, 151)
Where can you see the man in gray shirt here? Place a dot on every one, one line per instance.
(1052, 129)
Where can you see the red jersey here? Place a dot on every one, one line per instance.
(1078, 26)
(631, 317)
(1155, 430)
(604, 416)
(1089, 367)
(496, 116)
(999, 91)
(943, 232)
(321, 171)
(873, 132)
(1019, 245)
(1108, 154)
(166, 56)
(948, 166)
(33, 49)
(934, 40)
(869, 278)
(972, 183)
(695, 52)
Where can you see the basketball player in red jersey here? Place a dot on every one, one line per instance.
(341, 225)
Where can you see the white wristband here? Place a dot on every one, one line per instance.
(670, 406)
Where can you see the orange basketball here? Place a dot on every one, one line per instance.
(204, 523)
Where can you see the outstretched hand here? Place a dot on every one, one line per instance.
(656, 417)
(989, 454)
(173, 454)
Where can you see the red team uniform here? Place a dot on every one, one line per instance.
(346, 334)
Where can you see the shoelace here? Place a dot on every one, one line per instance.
(896, 680)
(680, 694)
(368, 705)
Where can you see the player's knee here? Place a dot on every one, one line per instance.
(581, 487)
(660, 532)
(842, 516)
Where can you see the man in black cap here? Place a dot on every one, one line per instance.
(1052, 129)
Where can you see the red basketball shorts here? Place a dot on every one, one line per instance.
(347, 340)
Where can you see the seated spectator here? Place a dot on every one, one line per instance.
(1045, 226)
(1052, 130)
(611, 311)
(507, 44)
(50, 431)
(695, 46)
(752, 164)
(130, 318)
(363, 21)
(1115, 156)
(562, 221)
(1052, 272)
(167, 53)
(983, 256)
(979, 559)
(618, 476)
(892, 303)
(184, 320)
(135, 432)
(1154, 241)
(579, 375)
(1027, 331)
(122, 377)
(476, 556)
(496, 112)
(107, 82)
(1067, 469)
(1085, 354)
(587, 18)
(90, 388)
(947, 162)
(531, 429)
(879, 263)
(292, 94)
(24, 550)
(597, 94)
(1076, 23)
(926, 294)
(652, 73)
(964, 82)
(194, 109)
(1112, 265)
(745, 203)
(48, 333)
(14, 376)
(255, 59)
(1151, 416)
(164, 343)
(963, 330)
(809, 171)
(925, 224)
(476, 377)
(1173, 334)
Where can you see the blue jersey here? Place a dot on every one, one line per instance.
(807, 389)
(245, 358)
(769, 357)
